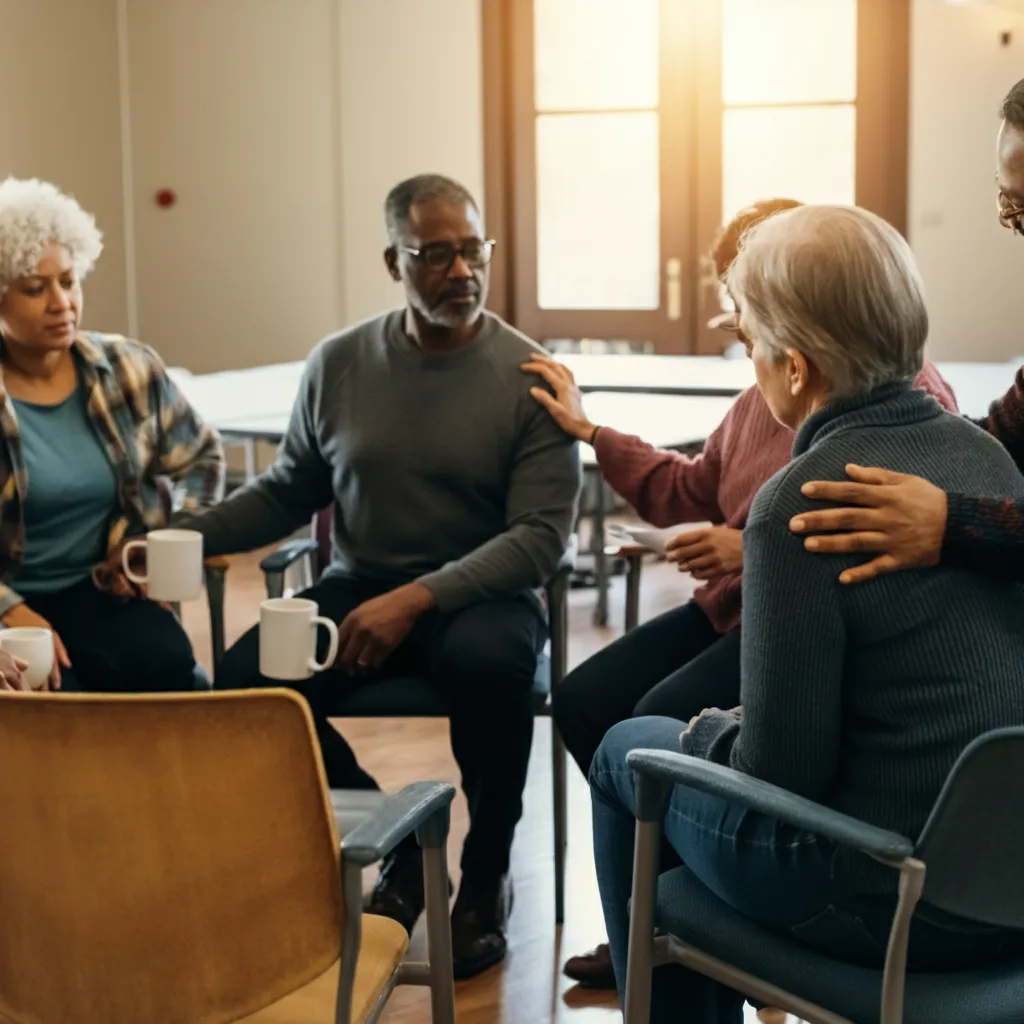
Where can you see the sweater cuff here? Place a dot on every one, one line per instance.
(9, 598)
(712, 736)
(963, 519)
(450, 589)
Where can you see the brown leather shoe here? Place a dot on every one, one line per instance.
(593, 969)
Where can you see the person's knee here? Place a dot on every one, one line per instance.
(490, 667)
(634, 734)
(571, 702)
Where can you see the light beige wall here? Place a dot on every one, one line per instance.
(61, 122)
(234, 106)
(972, 268)
(411, 102)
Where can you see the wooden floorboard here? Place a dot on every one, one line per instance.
(529, 987)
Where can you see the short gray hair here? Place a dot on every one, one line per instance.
(422, 189)
(839, 285)
(34, 215)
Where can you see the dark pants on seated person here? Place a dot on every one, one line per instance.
(117, 646)
(483, 656)
(781, 877)
(676, 665)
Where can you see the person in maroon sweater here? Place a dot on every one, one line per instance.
(687, 659)
(906, 521)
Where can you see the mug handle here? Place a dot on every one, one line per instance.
(332, 649)
(125, 558)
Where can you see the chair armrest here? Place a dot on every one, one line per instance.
(399, 816)
(757, 795)
(288, 554)
(567, 563)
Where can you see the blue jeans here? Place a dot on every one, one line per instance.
(779, 876)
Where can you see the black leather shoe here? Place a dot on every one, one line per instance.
(479, 919)
(398, 891)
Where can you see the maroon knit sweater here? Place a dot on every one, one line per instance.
(748, 448)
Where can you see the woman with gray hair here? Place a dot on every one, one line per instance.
(858, 698)
(90, 427)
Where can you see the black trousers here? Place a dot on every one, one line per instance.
(676, 665)
(117, 646)
(484, 656)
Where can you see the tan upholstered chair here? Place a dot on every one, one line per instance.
(173, 859)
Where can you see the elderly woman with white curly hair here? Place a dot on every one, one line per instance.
(90, 427)
(859, 698)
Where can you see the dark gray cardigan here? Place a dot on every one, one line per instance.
(861, 697)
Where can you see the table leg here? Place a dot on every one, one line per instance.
(597, 542)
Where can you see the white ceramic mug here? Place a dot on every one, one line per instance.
(174, 564)
(288, 628)
(34, 646)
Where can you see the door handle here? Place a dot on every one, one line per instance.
(674, 287)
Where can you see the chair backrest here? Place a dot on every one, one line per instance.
(166, 858)
(971, 844)
(323, 524)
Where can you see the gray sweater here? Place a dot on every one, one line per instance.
(441, 468)
(862, 697)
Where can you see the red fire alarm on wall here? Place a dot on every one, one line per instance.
(166, 197)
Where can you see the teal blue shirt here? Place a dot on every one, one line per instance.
(72, 495)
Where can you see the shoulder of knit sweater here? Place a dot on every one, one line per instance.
(975, 451)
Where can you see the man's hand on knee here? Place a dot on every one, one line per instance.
(370, 632)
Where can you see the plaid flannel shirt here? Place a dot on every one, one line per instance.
(165, 458)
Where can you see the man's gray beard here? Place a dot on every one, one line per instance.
(451, 318)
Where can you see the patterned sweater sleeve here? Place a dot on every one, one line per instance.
(986, 534)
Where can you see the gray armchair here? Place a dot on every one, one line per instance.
(966, 862)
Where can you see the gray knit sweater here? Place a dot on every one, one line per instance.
(862, 697)
(442, 468)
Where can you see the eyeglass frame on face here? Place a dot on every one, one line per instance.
(729, 321)
(455, 251)
(1010, 216)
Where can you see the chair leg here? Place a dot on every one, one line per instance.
(634, 569)
(558, 612)
(215, 588)
(432, 837)
(652, 799)
(559, 795)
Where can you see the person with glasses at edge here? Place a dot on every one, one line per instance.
(906, 522)
(686, 659)
(454, 500)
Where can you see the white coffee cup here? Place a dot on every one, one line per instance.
(288, 628)
(34, 646)
(174, 564)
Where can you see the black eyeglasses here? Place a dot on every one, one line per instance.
(476, 252)
(1010, 214)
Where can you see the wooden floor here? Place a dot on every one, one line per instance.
(529, 987)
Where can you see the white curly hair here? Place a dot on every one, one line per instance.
(33, 215)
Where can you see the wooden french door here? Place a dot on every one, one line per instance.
(622, 133)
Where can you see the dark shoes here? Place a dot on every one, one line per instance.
(593, 969)
(479, 920)
(398, 891)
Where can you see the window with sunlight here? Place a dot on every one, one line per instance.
(789, 89)
(597, 153)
